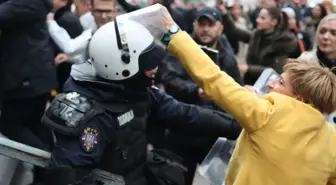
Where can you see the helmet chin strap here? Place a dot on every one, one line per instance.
(138, 82)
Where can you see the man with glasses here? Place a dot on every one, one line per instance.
(103, 12)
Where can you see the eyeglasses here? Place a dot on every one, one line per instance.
(108, 13)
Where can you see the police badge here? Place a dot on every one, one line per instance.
(89, 139)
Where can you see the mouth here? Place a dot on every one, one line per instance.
(204, 36)
(152, 76)
(324, 45)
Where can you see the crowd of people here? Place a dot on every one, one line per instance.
(95, 93)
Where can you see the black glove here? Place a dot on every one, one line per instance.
(164, 168)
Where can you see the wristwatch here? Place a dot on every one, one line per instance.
(172, 30)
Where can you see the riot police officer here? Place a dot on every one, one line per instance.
(100, 121)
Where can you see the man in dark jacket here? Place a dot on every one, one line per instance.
(65, 18)
(70, 22)
(207, 32)
(28, 70)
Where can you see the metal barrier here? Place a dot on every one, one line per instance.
(37, 157)
(23, 152)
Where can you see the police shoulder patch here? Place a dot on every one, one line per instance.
(89, 139)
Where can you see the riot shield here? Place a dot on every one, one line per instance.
(215, 164)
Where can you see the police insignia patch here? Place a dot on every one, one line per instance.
(89, 139)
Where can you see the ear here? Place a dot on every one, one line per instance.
(194, 25)
(274, 22)
(221, 28)
(302, 99)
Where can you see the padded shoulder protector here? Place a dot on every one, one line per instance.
(67, 111)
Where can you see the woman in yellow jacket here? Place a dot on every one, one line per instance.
(286, 140)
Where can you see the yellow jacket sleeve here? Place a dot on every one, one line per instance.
(249, 110)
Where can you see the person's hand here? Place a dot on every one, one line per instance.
(168, 21)
(220, 5)
(60, 58)
(50, 16)
(202, 95)
(252, 89)
(243, 68)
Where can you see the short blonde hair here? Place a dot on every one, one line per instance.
(316, 84)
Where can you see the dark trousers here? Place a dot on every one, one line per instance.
(20, 121)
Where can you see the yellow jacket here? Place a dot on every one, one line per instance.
(284, 141)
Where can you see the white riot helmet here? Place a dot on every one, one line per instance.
(115, 49)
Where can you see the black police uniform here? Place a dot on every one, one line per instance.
(102, 125)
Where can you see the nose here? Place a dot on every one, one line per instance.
(151, 73)
(270, 85)
(326, 35)
(104, 15)
(206, 28)
(257, 20)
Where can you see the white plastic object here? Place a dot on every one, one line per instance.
(215, 164)
(151, 17)
(266, 76)
(331, 118)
